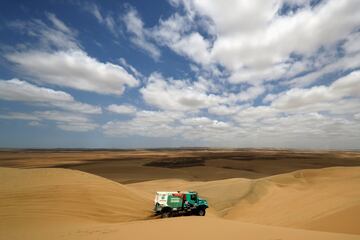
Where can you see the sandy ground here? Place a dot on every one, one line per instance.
(128, 166)
(52, 203)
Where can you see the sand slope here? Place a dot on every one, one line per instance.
(300, 198)
(59, 195)
(177, 229)
(310, 199)
(67, 204)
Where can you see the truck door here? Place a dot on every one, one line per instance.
(192, 199)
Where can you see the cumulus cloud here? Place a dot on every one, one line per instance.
(72, 122)
(253, 114)
(197, 121)
(68, 121)
(121, 109)
(347, 86)
(60, 60)
(241, 35)
(139, 35)
(239, 52)
(257, 41)
(74, 69)
(201, 122)
(223, 110)
(175, 32)
(177, 95)
(145, 123)
(17, 90)
(169, 124)
(348, 62)
(250, 93)
(20, 116)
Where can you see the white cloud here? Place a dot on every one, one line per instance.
(268, 38)
(238, 51)
(104, 19)
(139, 35)
(347, 86)
(17, 90)
(34, 123)
(58, 36)
(198, 50)
(177, 95)
(204, 122)
(171, 125)
(157, 117)
(121, 109)
(196, 121)
(222, 110)
(74, 69)
(352, 45)
(145, 123)
(250, 93)
(77, 127)
(59, 59)
(67, 121)
(125, 64)
(255, 43)
(357, 116)
(72, 122)
(59, 24)
(253, 114)
(348, 62)
(20, 116)
(175, 33)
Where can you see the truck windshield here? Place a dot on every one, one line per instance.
(194, 197)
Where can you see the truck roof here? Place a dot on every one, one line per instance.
(165, 192)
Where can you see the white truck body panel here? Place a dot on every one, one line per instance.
(161, 197)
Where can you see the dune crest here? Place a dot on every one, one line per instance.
(55, 195)
(77, 205)
(295, 199)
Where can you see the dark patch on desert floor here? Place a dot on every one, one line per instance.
(203, 164)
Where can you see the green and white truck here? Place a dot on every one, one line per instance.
(168, 204)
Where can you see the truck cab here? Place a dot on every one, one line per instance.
(179, 203)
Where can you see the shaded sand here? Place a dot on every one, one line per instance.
(201, 164)
(309, 199)
(67, 204)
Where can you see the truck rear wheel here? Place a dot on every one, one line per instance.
(201, 212)
(166, 214)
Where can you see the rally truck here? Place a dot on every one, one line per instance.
(169, 204)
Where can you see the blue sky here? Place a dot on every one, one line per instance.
(180, 73)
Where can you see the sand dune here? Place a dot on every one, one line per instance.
(67, 204)
(298, 199)
(201, 164)
(177, 228)
(66, 195)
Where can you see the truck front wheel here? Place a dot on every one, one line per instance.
(201, 212)
(166, 214)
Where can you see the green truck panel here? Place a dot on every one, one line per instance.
(174, 201)
(179, 203)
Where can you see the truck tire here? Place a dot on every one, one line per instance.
(201, 212)
(166, 214)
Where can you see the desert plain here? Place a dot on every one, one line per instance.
(108, 194)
